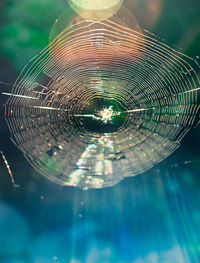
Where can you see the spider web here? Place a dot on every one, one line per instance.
(91, 66)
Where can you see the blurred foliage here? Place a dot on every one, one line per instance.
(26, 27)
(179, 24)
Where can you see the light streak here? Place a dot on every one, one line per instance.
(188, 91)
(4, 83)
(45, 108)
(48, 108)
(138, 110)
(20, 96)
(9, 170)
(84, 115)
